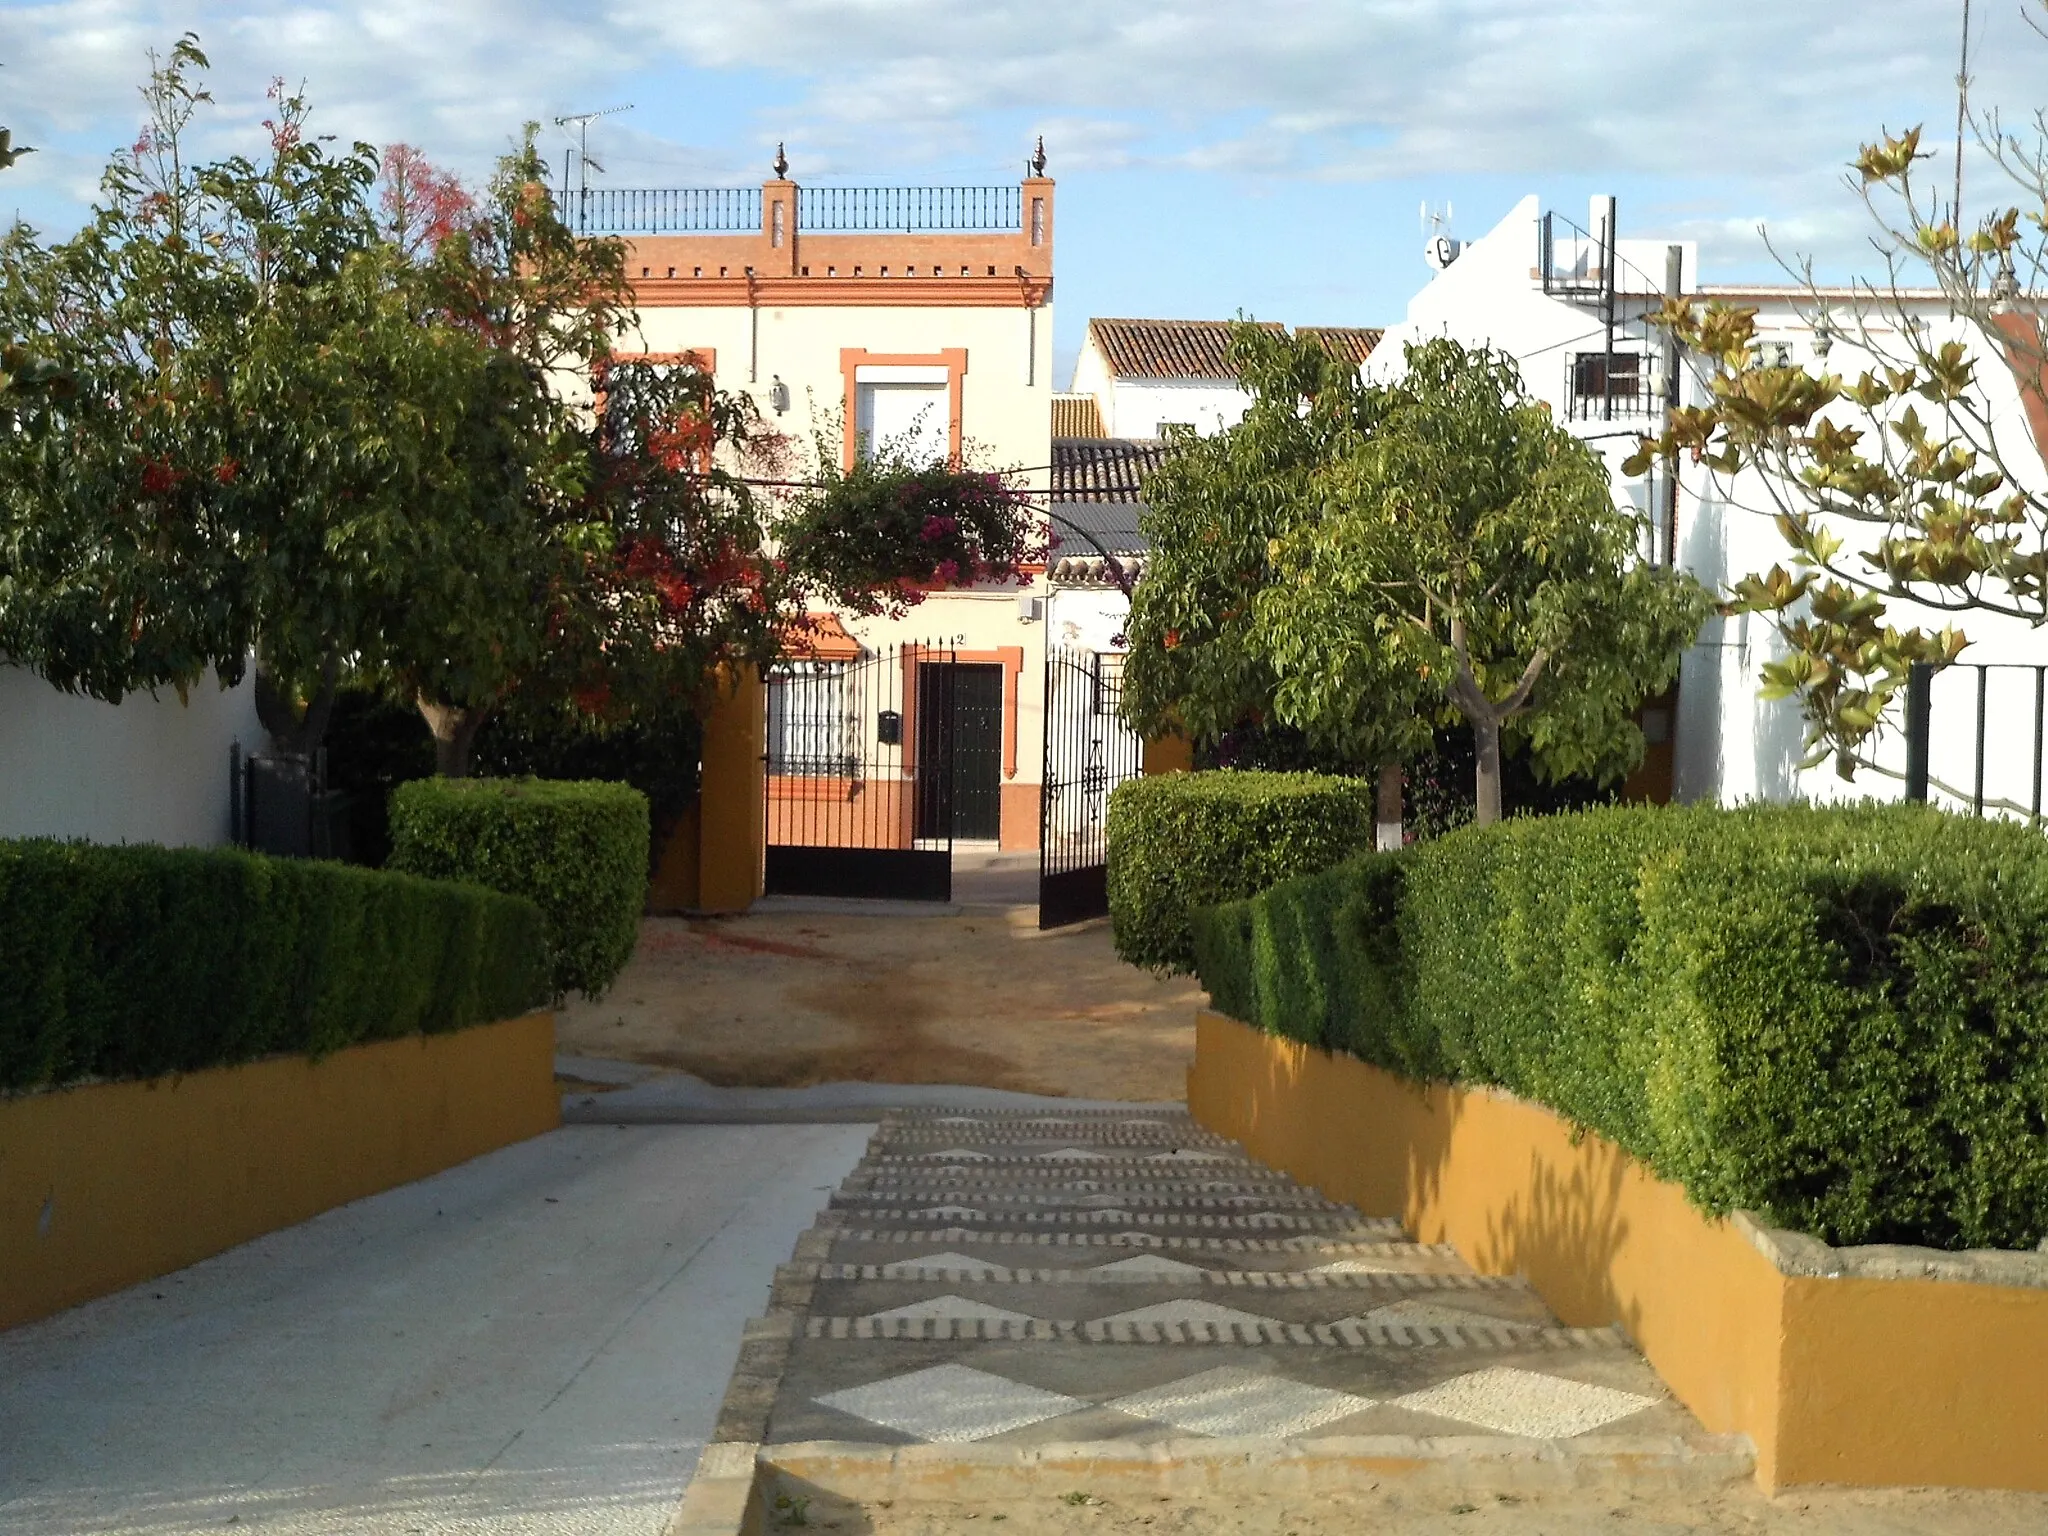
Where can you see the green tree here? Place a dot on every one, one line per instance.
(265, 429)
(1915, 482)
(1374, 558)
(1216, 512)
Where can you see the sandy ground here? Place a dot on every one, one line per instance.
(782, 999)
(1889, 1512)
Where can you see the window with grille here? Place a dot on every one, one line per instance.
(812, 732)
(1619, 377)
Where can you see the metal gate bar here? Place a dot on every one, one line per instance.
(857, 785)
(1089, 750)
(1999, 754)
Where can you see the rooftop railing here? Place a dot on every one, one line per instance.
(661, 210)
(737, 210)
(908, 210)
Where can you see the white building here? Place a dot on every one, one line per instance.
(858, 314)
(1569, 304)
(1148, 375)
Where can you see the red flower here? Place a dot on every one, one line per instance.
(227, 471)
(1172, 639)
(158, 477)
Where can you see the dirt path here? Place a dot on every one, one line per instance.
(981, 997)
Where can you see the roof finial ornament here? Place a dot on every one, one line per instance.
(781, 163)
(1038, 158)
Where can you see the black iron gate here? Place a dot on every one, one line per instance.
(860, 788)
(281, 805)
(1088, 752)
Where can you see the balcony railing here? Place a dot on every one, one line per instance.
(1597, 386)
(737, 210)
(661, 210)
(908, 210)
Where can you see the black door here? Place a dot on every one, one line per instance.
(959, 751)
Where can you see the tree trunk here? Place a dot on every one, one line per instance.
(291, 732)
(1486, 748)
(454, 727)
(1486, 717)
(1389, 817)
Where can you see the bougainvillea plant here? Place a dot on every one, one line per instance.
(878, 537)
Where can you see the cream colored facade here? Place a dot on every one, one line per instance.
(833, 331)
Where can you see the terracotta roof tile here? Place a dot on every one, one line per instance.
(1168, 349)
(1076, 416)
(1351, 341)
(1103, 468)
(1200, 349)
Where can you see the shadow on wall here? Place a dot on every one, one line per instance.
(1699, 764)
(1563, 1233)
(1780, 738)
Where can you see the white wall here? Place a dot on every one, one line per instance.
(1142, 407)
(1733, 744)
(1087, 618)
(1006, 393)
(149, 770)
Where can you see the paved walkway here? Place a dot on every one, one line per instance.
(533, 1342)
(1024, 1279)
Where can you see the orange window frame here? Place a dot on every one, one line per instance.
(952, 359)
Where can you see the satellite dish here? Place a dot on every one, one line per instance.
(1441, 251)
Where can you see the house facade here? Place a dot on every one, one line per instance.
(1571, 304)
(853, 316)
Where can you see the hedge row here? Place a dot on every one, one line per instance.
(1837, 1019)
(577, 849)
(129, 962)
(1180, 841)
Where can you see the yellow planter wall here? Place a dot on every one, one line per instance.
(1836, 1378)
(113, 1183)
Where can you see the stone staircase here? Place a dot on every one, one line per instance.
(1002, 1291)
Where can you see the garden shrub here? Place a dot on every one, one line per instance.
(1835, 1018)
(577, 849)
(133, 961)
(1180, 841)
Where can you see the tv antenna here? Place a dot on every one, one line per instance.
(1439, 249)
(579, 123)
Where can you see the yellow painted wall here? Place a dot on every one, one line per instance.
(731, 803)
(673, 888)
(1169, 754)
(109, 1184)
(1874, 1382)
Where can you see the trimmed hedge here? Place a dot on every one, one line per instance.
(1179, 841)
(578, 849)
(134, 961)
(1837, 1019)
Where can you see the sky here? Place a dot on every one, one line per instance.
(1213, 157)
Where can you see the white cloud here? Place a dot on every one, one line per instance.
(1761, 98)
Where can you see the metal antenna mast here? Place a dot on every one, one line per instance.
(579, 123)
(1962, 113)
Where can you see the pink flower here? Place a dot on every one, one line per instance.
(948, 571)
(937, 527)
